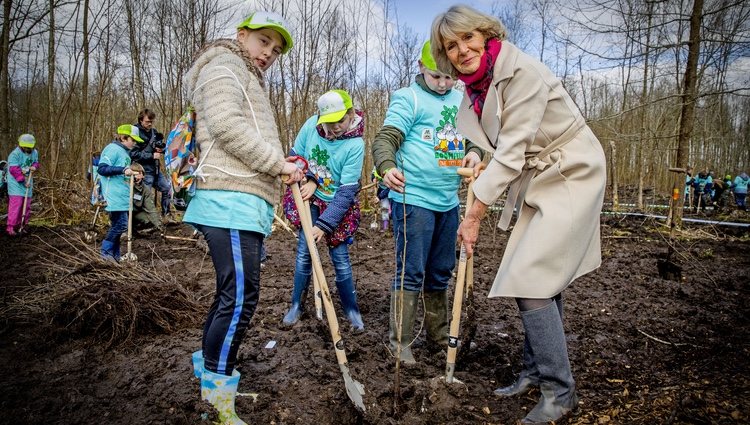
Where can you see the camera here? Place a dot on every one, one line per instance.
(159, 143)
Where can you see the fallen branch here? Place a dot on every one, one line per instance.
(676, 344)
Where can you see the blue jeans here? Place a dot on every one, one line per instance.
(163, 186)
(339, 258)
(430, 250)
(111, 242)
(739, 199)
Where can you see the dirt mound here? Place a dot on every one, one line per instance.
(643, 349)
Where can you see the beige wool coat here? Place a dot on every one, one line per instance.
(234, 125)
(543, 150)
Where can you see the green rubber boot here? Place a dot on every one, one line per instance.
(411, 298)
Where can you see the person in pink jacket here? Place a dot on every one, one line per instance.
(22, 163)
(542, 151)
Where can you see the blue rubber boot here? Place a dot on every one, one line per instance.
(299, 295)
(198, 367)
(220, 391)
(348, 296)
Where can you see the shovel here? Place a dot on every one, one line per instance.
(25, 202)
(130, 255)
(458, 298)
(90, 235)
(354, 389)
(316, 282)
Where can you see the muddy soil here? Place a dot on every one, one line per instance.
(643, 349)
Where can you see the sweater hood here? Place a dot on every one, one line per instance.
(218, 48)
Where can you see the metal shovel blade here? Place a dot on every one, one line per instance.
(129, 257)
(354, 389)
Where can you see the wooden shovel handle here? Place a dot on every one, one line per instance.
(458, 297)
(130, 214)
(316, 282)
(333, 323)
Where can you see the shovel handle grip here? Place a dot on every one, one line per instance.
(333, 323)
(465, 172)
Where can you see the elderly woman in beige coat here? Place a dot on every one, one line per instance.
(540, 149)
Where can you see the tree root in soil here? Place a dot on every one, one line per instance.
(85, 296)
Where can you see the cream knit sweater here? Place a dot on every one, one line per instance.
(224, 122)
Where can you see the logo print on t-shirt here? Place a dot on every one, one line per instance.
(449, 144)
(318, 165)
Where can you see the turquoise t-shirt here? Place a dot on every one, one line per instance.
(230, 210)
(115, 189)
(432, 149)
(18, 158)
(334, 163)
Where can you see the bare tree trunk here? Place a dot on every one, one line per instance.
(613, 171)
(85, 138)
(5, 139)
(687, 115)
(644, 111)
(52, 140)
(135, 55)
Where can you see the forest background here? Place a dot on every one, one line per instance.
(662, 83)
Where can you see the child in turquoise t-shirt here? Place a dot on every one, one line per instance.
(114, 169)
(331, 143)
(417, 152)
(22, 163)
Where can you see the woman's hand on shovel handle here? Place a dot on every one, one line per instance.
(468, 230)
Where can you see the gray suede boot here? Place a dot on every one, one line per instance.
(411, 298)
(527, 379)
(436, 317)
(546, 335)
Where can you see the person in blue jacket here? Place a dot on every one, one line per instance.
(739, 188)
(699, 191)
(22, 162)
(115, 174)
(331, 143)
(417, 152)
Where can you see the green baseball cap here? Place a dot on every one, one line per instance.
(427, 60)
(130, 130)
(26, 141)
(332, 106)
(271, 20)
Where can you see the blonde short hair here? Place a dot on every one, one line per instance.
(458, 20)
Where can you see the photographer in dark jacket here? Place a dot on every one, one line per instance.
(148, 154)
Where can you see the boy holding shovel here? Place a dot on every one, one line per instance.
(22, 163)
(114, 171)
(417, 152)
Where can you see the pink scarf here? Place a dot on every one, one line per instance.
(478, 82)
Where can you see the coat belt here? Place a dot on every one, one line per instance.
(535, 162)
